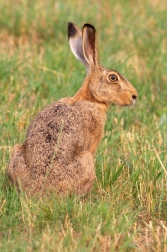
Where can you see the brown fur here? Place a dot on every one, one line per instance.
(57, 154)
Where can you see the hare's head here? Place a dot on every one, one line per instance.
(107, 86)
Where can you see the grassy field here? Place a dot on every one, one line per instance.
(127, 208)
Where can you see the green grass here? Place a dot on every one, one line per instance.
(127, 208)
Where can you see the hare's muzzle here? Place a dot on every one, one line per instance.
(134, 97)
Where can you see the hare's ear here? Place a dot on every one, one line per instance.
(75, 42)
(89, 42)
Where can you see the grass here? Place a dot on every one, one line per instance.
(126, 210)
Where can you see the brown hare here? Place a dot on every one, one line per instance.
(57, 154)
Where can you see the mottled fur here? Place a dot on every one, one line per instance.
(57, 154)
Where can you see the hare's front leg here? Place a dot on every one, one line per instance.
(87, 176)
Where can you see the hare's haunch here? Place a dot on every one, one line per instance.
(57, 154)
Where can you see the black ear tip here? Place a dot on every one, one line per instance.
(89, 26)
(71, 30)
(70, 24)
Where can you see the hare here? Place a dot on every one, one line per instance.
(58, 151)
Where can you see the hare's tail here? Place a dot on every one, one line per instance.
(17, 169)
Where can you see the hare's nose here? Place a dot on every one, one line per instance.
(134, 97)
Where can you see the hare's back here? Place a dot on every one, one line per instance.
(61, 118)
(58, 133)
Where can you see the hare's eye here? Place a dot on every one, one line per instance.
(113, 77)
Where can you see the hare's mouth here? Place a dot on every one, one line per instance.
(133, 102)
(128, 105)
(123, 104)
